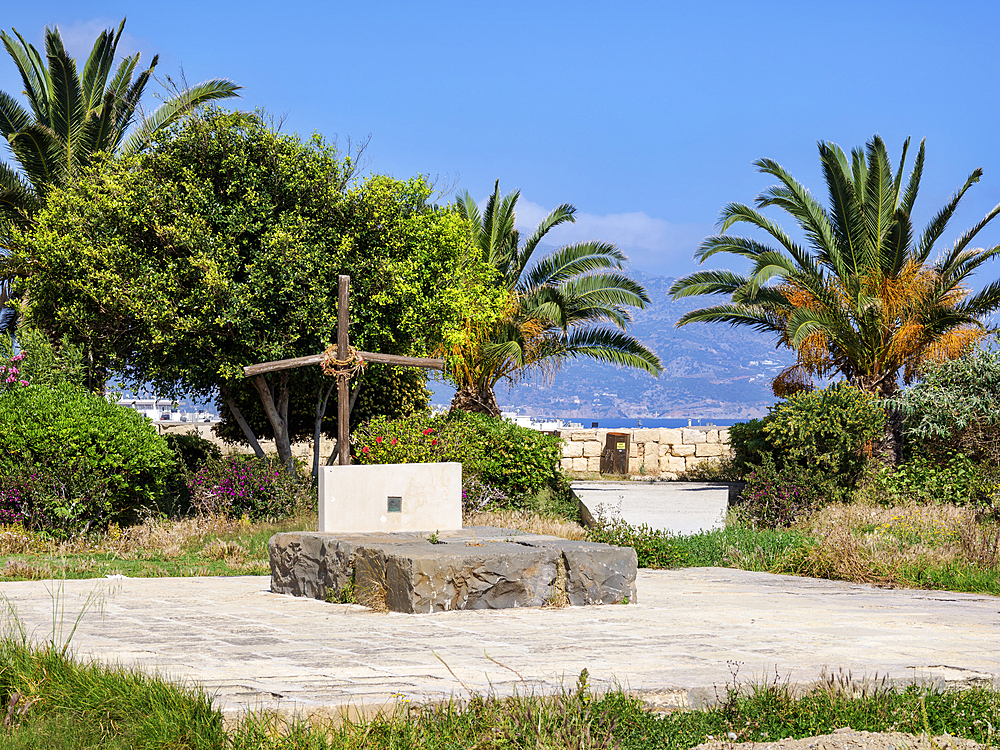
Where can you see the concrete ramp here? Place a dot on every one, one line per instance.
(678, 507)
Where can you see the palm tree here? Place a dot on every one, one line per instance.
(555, 309)
(861, 298)
(71, 119)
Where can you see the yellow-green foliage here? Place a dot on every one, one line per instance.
(825, 431)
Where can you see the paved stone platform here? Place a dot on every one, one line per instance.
(680, 507)
(471, 568)
(257, 649)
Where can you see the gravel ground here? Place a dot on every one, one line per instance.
(848, 739)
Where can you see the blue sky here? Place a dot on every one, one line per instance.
(646, 116)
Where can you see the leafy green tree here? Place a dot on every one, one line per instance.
(554, 309)
(861, 298)
(221, 248)
(70, 118)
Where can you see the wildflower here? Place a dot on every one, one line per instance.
(394, 441)
(434, 442)
(365, 449)
(378, 439)
(428, 431)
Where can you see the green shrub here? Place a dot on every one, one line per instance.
(41, 362)
(192, 451)
(93, 461)
(237, 486)
(955, 408)
(956, 479)
(655, 548)
(749, 444)
(826, 430)
(815, 441)
(501, 462)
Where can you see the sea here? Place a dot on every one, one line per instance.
(620, 424)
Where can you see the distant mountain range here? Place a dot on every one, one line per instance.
(710, 371)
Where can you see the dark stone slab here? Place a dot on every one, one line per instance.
(475, 568)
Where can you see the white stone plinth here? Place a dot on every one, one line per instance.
(357, 498)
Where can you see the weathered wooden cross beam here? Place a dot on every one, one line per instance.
(343, 378)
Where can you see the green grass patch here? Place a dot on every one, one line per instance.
(736, 545)
(55, 701)
(769, 713)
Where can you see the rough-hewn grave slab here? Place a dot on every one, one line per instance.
(474, 568)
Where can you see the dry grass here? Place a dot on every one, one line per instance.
(26, 571)
(531, 523)
(870, 543)
(199, 545)
(223, 549)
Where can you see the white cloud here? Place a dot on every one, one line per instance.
(653, 245)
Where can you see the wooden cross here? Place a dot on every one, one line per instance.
(343, 347)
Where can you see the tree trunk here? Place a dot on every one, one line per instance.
(241, 421)
(277, 415)
(476, 400)
(322, 399)
(888, 451)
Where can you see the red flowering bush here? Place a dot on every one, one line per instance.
(502, 464)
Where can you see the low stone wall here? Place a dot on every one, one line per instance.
(658, 452)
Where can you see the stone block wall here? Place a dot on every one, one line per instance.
(658, 452)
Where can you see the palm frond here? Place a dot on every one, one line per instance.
(17, 199)
(13, 116)
(758, 317)
(33, 74)
(572, 260)
(39, 153)
(560, 215)
(898, 181)
(879, 206)
(963, 242)
(606, 288)
(739, 212)
(173, 109)
(68, 109)
(725, 243)
(794, 198)
(848, 220)
(98, 67)
(615, 347)
(120, 84)
(940, 221)
(707, 282)
(913, 186)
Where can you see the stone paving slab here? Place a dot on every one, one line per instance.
(680, 507)
(255, 649)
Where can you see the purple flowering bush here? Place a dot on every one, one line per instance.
(10, 373)
(237, 486)
(15, 498)
(776, 499)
